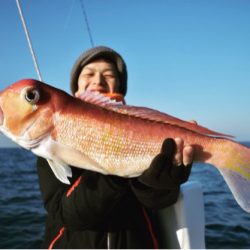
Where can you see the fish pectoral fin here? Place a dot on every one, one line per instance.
(61, 171)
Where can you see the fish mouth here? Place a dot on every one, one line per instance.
(1, 117)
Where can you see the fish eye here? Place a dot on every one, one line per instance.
(31, 95)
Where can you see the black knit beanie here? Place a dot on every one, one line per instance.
(96, 53)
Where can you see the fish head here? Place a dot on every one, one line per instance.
(26, 112)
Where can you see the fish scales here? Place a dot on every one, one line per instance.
(114, 146)
(122, 146)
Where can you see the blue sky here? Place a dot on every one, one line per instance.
(187, 58)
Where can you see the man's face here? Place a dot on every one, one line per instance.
(98, 76)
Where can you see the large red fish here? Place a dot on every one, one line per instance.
(109, 137)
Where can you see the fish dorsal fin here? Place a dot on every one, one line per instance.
(102, 100)
(144, 113)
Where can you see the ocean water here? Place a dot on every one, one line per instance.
(22, 216)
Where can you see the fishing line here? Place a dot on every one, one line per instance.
(29, 40)
(87, 23)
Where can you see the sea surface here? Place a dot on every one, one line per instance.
(22, 216)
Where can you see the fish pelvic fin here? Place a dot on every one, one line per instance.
(237, 174)
(61, 171)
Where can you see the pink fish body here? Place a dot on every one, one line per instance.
(108, 137)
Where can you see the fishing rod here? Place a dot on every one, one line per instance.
(29, 40)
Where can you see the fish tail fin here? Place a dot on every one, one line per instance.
(237, 174)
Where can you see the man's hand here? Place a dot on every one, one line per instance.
(171, 167)
(183, 154)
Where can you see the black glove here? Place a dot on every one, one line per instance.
(162, 173)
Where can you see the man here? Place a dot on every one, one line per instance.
(103, 211)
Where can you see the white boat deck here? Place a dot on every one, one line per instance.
(183, 224)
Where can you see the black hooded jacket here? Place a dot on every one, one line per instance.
(100, 211)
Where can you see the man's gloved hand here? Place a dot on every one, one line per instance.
(171, 167)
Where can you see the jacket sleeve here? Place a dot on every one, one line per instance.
(159, 185)
(154, 198)
(86, 202)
